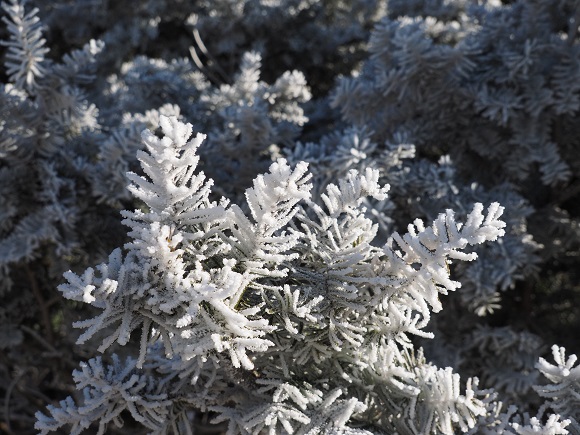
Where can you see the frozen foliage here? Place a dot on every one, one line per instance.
(26, 46)
(493, 85)
(108, 391)
(255, 117)
(436, 186)
(249, 118)
(289, 319)
(43, 188)
(484, 84)
(563, 392)
(284, 291)
(50, 221)
(63, 164)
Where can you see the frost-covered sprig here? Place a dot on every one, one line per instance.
(26, 47)
(172, 191)
(251, 120)
(294, 410)
(338, 236)
(265, 244)
(162, 280)
(420, 259)
(108, 391)
(440, 406)
(354, 329)
(553, 426)
(509, 423)
(292, 319)
(408, 395)
(563, 394)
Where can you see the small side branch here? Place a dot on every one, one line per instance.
(44, 314)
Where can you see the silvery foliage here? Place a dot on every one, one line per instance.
(244, 120)
(435, 186)
(494, 85)
(482, 91)
(43, 106)
(288, 319)
(327, 38)
(42, 182)
(159, 82)
(53, 137)
(49, 219)
(251, 118)
(563, 392)
(69, 132)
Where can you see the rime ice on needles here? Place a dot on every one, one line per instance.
(272, 301)
(172, 192)
(26, 48)
(563, 393)
(443, 406)
(161, 282)
(109, 390)
(272, 202)
(420, 258)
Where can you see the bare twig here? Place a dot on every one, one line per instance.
(41, 304)
(566, 194)
(7, 399)
(209, 74)
(39, 338)
(206, 52)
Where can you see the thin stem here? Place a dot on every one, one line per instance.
(566, 194)
(41, 304)
(7, 399)
(40, 339)
(205, 51)
(201, 66)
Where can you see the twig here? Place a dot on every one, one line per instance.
(202, 67)
(566, 194)
(42, 306)
(39, 338)
(206, 52)
(7, 399)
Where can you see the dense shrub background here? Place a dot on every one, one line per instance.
(453, 102)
